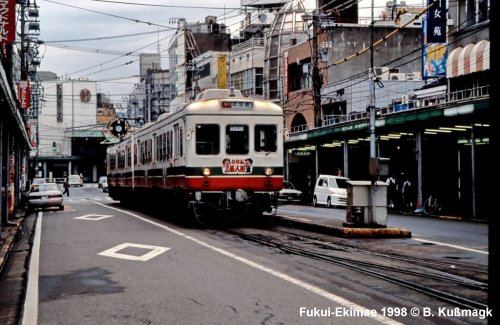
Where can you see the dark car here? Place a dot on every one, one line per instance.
(44, 196)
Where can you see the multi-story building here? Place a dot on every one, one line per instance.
(68, 131)
(435, 132)
(192, 40)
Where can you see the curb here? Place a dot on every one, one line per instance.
(345, 232)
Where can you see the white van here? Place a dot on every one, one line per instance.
(330, 190)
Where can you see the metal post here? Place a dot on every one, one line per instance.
(473, 170)
(418, 143)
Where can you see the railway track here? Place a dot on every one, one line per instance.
(460, 285)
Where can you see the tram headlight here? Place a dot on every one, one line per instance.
(206, 171)
(268, 171)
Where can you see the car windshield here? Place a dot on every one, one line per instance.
(38, 180)
(342, 182)
(45, 187)
(288, 185)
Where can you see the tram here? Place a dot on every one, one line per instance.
(220, 154)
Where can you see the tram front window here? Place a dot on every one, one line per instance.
(207, 139)
(237, 139)
(265, 138)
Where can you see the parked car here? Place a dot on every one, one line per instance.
(105, 185)
(43, 196)
(100, 181)
(38, 180)
(289, 194)
(75, 180)
(330, 191)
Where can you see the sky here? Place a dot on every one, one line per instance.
(101, 40)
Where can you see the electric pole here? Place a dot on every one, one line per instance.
(317, 80)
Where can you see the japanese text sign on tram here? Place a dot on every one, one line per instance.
(236, 105)
(436, 22)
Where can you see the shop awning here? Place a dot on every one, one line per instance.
(468, 59)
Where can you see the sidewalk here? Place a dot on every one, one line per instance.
(14, 253)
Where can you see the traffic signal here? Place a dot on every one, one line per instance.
(54, 146)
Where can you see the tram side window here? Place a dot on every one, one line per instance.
(128, 156)
(207, 139)
(266, 138)
(237, 139)
(112, 161)
(179, 150)
(135, 152)
(169, 145)
(121, 159)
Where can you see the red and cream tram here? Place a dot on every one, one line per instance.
(220, 153)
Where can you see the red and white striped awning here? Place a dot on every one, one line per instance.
(468, 59)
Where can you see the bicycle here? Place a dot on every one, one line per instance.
(431, 205)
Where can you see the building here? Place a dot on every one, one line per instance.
(192, 40)
(435, 132)
(69, 135)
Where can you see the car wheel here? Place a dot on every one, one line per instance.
(315, 201)
(61, 207)
(329, 202)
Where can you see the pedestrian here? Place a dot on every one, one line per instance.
(407, 196)
(66, 187)
(391, 191)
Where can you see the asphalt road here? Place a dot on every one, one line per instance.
(100, 264)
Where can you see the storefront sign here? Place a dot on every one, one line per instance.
(24, 94)
(8, 21)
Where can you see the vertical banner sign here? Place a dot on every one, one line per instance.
(285, 74)
(23, 90)
(434, 57)
(8, 21)
(222, 71)
(436, 22)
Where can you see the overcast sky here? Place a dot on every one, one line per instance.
(82, 37)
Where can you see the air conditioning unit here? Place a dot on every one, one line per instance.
(413, 76)
(381, 73)
(404, 99)
(397, 76)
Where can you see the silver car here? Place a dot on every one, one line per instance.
(289, 194)
(44, 196)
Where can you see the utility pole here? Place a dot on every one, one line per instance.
(371, 107)
(317, 80)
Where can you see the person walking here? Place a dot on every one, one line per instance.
(408, 196)
(391, 192)
(66, 187)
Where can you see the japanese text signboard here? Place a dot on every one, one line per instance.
(7, 21)
(436, 22)
(24, 94)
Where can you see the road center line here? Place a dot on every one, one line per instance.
(325, 294)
